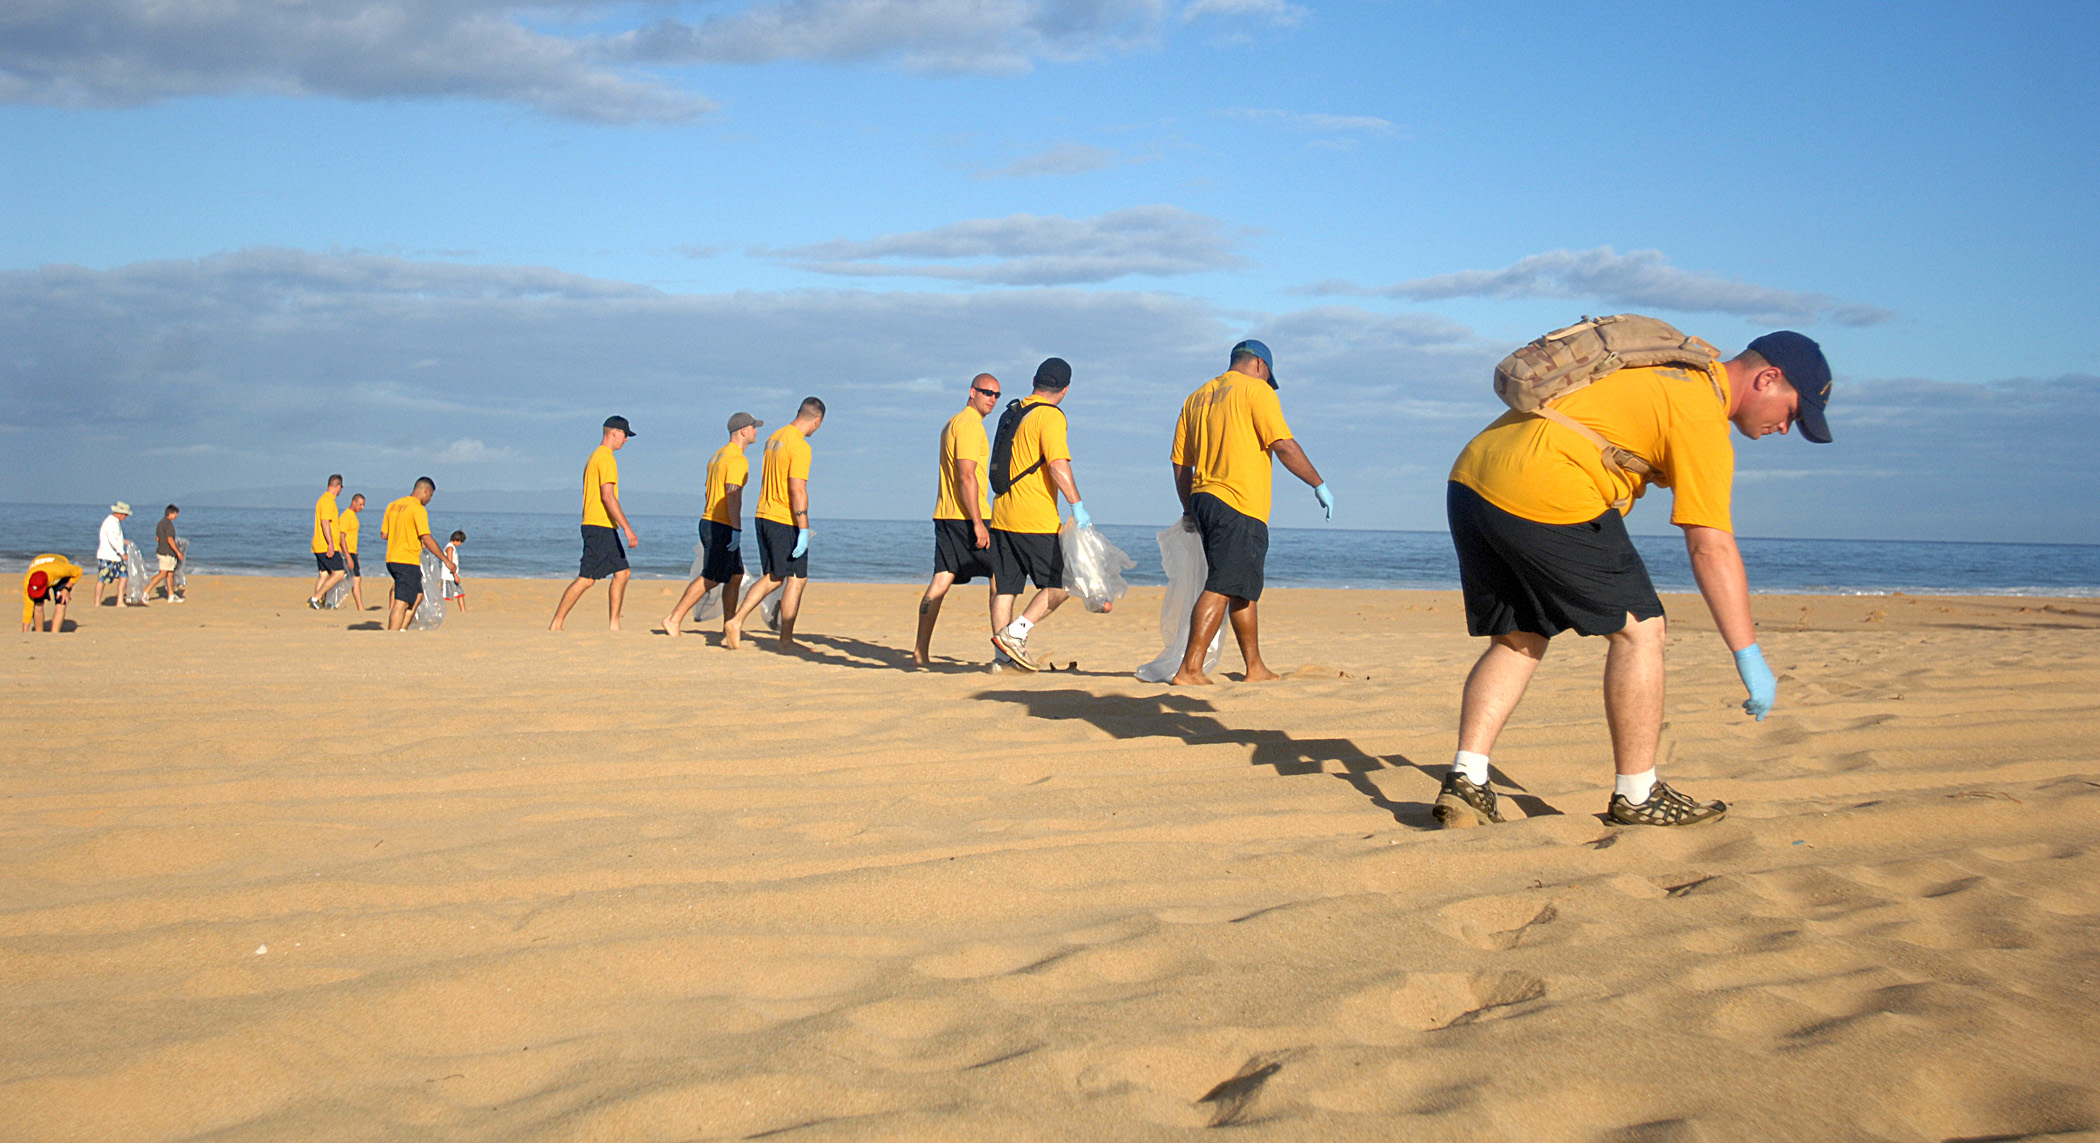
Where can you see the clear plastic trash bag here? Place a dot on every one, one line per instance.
(1093, 567)
(710, 604)
(1181, 554)
(340, 593)
(179, 580)
(430, 610)
(769, 611)
(135, 574)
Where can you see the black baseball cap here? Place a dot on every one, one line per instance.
(619, 423)
(1053, 373)
(1801, 359)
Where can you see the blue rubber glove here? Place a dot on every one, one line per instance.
(1080, 517)
(1758, 680)
(1326, 499)
(801, 543)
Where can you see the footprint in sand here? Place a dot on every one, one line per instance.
(1495, 923)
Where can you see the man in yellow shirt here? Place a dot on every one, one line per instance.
(406, 526)
(962, 501)
(603, 558)
(1542, 550)
(49, 579)
(1038, 465)
(347, 527)
(1229, 429)
(721, 524)
(783, 526)
(327, 544)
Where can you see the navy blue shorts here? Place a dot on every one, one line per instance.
(955, 551)
(723, 557)
(1235, 545)
(1521, 575)
(775, 541)
(602, 554)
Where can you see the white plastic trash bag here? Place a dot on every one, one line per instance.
(1181, 554)
(135, 574)
(769, 611)
(710, 605)
(179, 580)
(1093, 567)
(699, 560)
(430, 610)
(340, 592)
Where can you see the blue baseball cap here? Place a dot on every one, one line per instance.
(1802, 361)
(1259, 350)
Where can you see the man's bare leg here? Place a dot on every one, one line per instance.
(569, 596)
(397, 614)
(615, 597)
(357, 591)
(733, 626)
(730, 597)
(1495, 686)
(700, 586)
(1204, 620)
(790, 607)
(929, 614)
(1246, 628)
(1633, 694)
(1046, 601)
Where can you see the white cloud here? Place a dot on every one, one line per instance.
(1062, 159)
(585, 59)
(1636, 278)
(1278, 12)
(938, 36)
(1314, 123)
(1033, 250)
(254, 369)
(102, 53)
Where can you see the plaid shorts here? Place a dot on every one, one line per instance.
(112, 570)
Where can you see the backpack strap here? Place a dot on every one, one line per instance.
(1616, 459)
(1015, 477)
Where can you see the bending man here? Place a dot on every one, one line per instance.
(1542, 549)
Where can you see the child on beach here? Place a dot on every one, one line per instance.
(448, 582)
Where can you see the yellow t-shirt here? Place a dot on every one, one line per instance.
(962, 438)
(324, 513)
(1031, 504)
(602, 469)
(346, 527)
(1676, 419)
(57, 570)
(727, 470)
(405, 524)
(787, 454)
(1226, 430)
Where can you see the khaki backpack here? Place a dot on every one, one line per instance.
(1565, 360)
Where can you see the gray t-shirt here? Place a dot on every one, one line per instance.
(164, 537)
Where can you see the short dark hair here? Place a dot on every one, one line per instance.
(357, 496)
(459, 537)
(335, 478)
(171, 510)
(810, 405)
(423, 480)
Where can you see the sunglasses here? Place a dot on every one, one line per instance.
(985, 392)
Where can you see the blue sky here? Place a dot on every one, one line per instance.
(247, 243)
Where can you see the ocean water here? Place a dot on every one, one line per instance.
(271, 541)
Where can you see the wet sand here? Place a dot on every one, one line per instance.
(268, 878)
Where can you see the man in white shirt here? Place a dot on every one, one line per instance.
(109, 552)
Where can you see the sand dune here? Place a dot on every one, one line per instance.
(269, 878)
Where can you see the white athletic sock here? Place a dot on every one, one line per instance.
(1020, 628)
(1636, 787)
(1473, 766)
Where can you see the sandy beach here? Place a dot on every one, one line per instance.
(268, 879)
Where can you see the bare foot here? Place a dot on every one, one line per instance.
(1184, 679)
(671, 628)
(732, 636)
(1261, 675)
(790, 645)
(554, 627)
(918, 660)
(614, 628)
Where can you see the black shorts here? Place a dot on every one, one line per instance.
(1018, 557)
(408, 581)
(1235, 545)
(955, 551)
(1521, 575)
(775, 541)
(328, 563)
(356, 568)
(723, 559)
(602, 553)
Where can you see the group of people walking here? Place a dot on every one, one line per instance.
(49, 580)
(1599, 413)
(405, 526)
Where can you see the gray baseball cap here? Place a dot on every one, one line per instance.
(744, 420)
